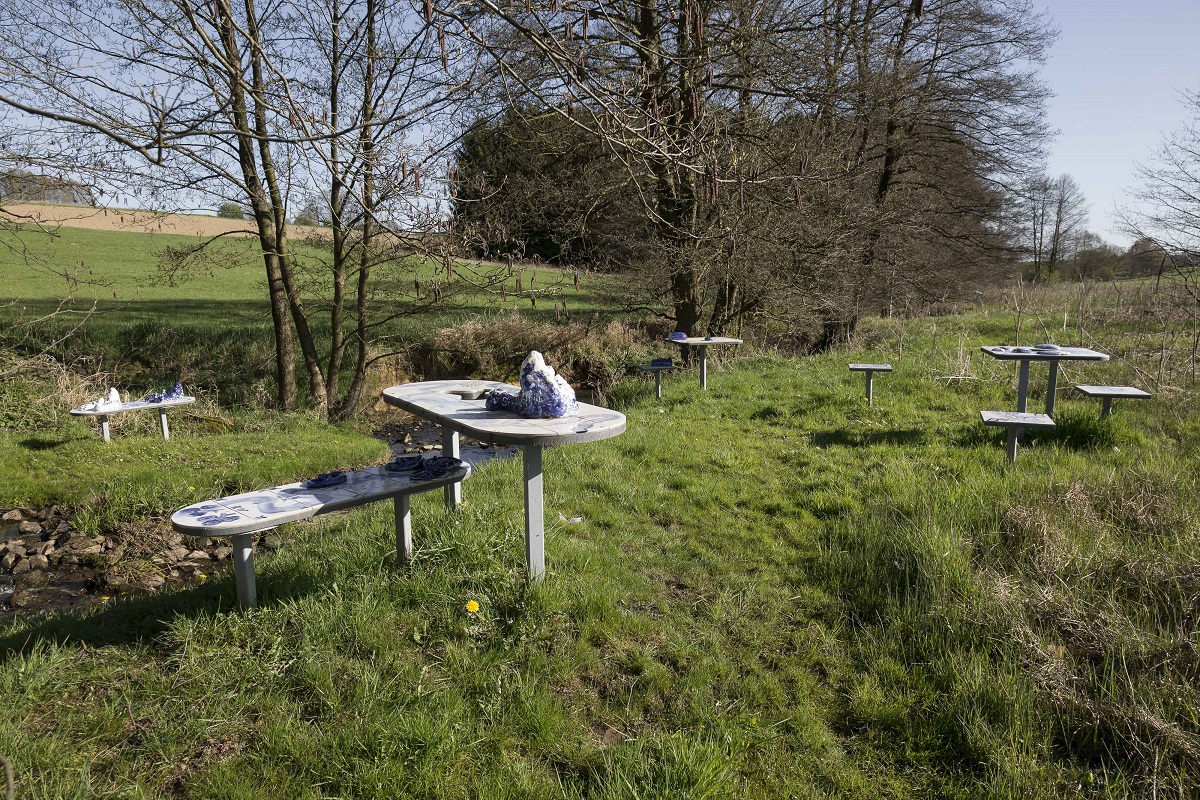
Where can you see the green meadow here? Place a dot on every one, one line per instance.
(774, 591)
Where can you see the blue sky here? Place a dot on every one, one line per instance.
(1117, 71)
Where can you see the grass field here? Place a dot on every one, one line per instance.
(776, 591)
(213, 329)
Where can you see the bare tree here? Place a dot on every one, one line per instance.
(256, 104)
(1054, 214)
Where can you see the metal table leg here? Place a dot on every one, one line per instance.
(658, 384)
(243, 569)
(1051, 387)
(703, 366)
(162, 422)
(1105, 407)
(403, 510)
(870, 389)
(1023, 387)
(535, 525)
(1013, 435)
(450, 448)
(104, 428)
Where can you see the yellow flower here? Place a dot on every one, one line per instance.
(191, 488)
(472, 606)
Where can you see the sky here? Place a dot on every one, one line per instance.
(1117, 71)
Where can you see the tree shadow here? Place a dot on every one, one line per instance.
(845, 437)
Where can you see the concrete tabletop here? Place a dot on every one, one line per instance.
(694, 340)
(871, 367)
(1010, 353)
(257, 511)
(437, 402)
(134, 405)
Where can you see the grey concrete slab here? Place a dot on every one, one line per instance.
(871, 367)
(1130, 392)
(1004, 419)
(104, 412)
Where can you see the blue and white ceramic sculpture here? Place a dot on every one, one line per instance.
(162, 396)
(543, 393)
(679, 336)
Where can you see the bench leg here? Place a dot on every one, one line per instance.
(870, 389)
(162, 421)
(1105, 407)
(535, 526)
(450, 448)
(657, 384)
(243, 569)
(1012, 444)
(404, 547)
(1051, 388)
(104, 428)
(703, 366)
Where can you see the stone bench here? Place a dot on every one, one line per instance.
(1109, 393)
(870, 369)
(658, 369)
(241, 515)
(1015, 421)
(106, 410)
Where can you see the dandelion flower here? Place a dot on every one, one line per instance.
(472, 606)
(191, 488)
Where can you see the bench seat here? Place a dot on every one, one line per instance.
(658, 370)
(241, 515)
(1109, 393)
(1015, 421)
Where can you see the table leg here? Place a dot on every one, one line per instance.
(657, 384)
(1051, 388)
(403, 510)
(535, 525)
(450, 448)
(1013, 434)
(162, 422)
(243, 569)
(104, 428)
(1023, 387)
(870, 389)
(1105, 407)
(703, 366)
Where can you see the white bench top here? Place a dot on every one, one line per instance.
(1006, 352)
(267, 508)
(456, 405)
(1113, 391)
(706, 340)
(871, 367)
(133, 405)
(1017, 419)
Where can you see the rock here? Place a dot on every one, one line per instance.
(428, 447)
(68, 559)
(38, 562)
(30, 527)
(177, 553)
(173, 539)
(222, 553)
(151, 581)
(271, 541)
(33, 579)
(10, 558)
(13, 516)
(198, 555)
(16, 548)
(21, 566)
(21, 599)
(42, 548)
(63, 527)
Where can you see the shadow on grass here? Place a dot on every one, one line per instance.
(844, 437)
(143, 617)
(42, 443)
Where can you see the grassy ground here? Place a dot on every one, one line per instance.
(775, 591)
(214, 329)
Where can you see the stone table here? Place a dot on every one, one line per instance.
(1028, 354)
(702, 342)
(458, 407)
(107, 410)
